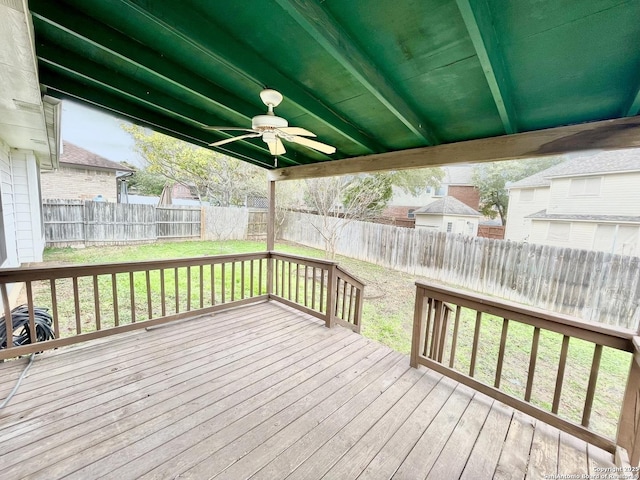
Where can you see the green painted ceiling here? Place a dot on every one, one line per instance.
(367, 76)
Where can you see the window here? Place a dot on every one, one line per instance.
(411, 214)
(559, 231)
(585, 186)
(526, 195)
(441, 191)
(449, 227)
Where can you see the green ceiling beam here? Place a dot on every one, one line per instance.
(198, 33)
(477, 18)
(75, 65)
(60, 85)
(111, 41)
(318, 23)
(634, 108)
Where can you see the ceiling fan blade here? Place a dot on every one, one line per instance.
(233, 139)
(322, 147)
(240, 129)
(277, 147)
(297, 131)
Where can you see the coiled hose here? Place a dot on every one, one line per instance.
(20, 317)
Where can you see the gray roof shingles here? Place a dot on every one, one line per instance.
(448, 206)
(74, 155)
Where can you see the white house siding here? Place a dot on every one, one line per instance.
(619, 194)
(29, 234)
(8, 208)
(459, 224)
(520, 205)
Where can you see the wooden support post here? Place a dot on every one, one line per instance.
(629, 424)
(332, 294)
(271, 233)
(418, 336)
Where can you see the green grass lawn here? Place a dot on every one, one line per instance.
(387, 318)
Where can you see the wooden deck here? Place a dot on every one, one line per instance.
(263, 392)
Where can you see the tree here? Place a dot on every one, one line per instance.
(144, 182)
(213, 176)
(340, 200)
(492, 179)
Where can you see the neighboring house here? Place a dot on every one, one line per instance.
(456, 183)
(83, 175)
(29, 142)
(590, 202)
(449, 215)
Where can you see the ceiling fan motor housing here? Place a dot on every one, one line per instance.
(266, 122)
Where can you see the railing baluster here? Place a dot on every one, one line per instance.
(260, 273)
(419, 332)
(454, 340)
(176, 287)
(233, 281)
(297, 282)
(591, 388)
(476, 339)
(201, 286)
(242, 266)
(32, 318)
(54, 308)
(188, 288)
(427, 326)
(251, 275)
(96, 301)
(132, 292)
(438, 306)
(306, 285)
(8, 319)
(289, 281)
(223, 268)
(213, 283)
(76, 304)
(313, 288)
(560, 376)
(282, 270)
(503, 346)
(322, 288)
(147, 275)
(163, 297)
(114, 293)
(351, 299)
(443, 331)
(532, 363)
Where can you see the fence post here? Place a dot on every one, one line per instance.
(417, 337)
(332, 294)
(629, 423)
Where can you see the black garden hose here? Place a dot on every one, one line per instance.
(20, 317)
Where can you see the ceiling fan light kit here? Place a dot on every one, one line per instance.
(273, 128)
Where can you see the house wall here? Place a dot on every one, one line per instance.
(8, 207)
(621, 239)
(79, 184)
(523, 202)
(619, 194)
(459, 224)
(29, 228)
(467, 194)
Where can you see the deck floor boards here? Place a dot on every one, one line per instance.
(263, 392)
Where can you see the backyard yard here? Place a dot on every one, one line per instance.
(387, 318)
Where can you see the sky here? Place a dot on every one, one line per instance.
(98, 132)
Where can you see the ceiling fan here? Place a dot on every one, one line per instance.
(273, 128)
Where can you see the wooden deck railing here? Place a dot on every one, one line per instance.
(93, 301)
(442, 313)
(318, 287)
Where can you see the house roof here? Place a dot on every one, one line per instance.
(400, 79)
(77, 156)
(627, 160)
(448, 206)
(543, 215)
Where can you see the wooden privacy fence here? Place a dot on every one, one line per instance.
(79, 222)
(436, 343)
(594, 286)
(93, 301)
